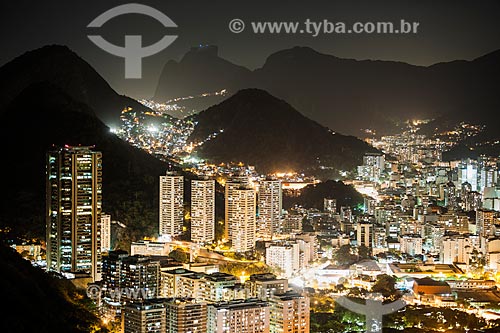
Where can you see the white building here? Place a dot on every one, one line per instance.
(270, 206)
(229, 211)
(284, 257)
(411, 244)
(493, 253)
(467, 173)
(202, 211)
(372, 168)
(364, 234)
(241, 217)
(171, 205)
(455, 249)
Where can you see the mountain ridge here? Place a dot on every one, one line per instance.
(254, 127)
(350, 95)
(63, 68)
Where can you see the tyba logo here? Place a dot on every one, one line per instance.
(133, 51)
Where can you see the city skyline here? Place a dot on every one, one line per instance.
(220, 167)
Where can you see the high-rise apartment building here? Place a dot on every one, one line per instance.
(229, 197)
(485, 219)
(181, 283)
(73, 210)
(202, 211)
(270, 206)
(411, 244)
(140, 277)
(285, 257)
(455, 249)
(214, 285)
(240, 216)
(171, 205)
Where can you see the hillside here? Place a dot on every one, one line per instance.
(256, 128)
(43, 116)
(64, 69)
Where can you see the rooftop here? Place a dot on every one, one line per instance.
(240, 304)
(427, 281)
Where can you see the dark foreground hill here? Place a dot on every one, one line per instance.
(35, 301)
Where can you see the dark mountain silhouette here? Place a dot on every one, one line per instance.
(348, 95)
(200, 71)
(73, 75)
(43, 116)
(256, 128)
(50, 301)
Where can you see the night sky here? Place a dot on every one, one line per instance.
(448, 30)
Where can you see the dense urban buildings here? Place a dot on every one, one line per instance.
(74, 204)
(432, 225)
(287, 192)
